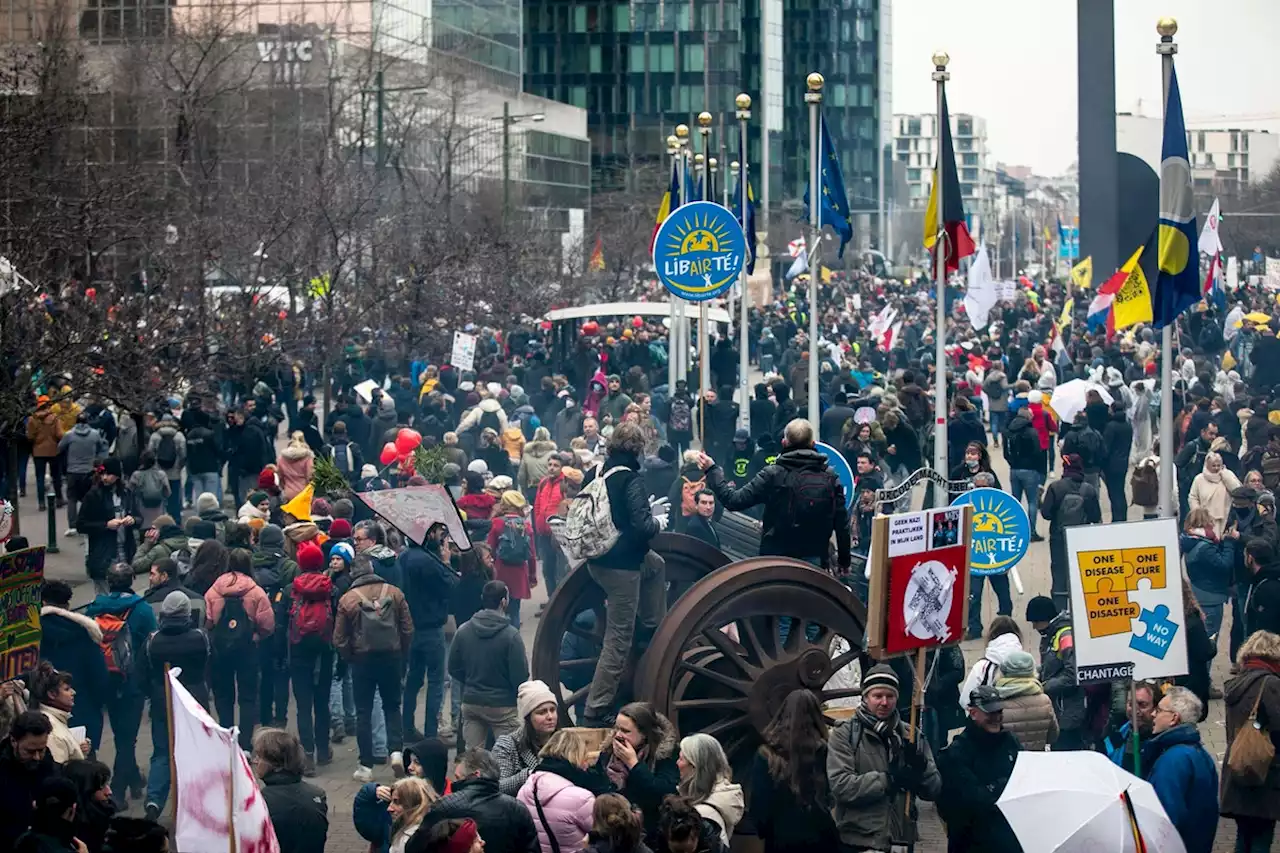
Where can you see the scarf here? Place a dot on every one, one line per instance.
(1262, 664)
(887, 731)
(584, 779)
(617, 771)
(1212, 476)
(1012, 688)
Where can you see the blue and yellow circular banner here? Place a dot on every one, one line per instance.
(1001, 531)
(699, 251)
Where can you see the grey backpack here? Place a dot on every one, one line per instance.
(588, 529)
(376, 619)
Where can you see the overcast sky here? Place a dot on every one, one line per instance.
(1014, 63)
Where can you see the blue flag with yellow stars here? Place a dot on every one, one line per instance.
(1178, 282)
(747, 217)
(835, 201)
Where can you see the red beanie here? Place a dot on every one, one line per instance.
(309, 557)
(267, 479)
(339, 528)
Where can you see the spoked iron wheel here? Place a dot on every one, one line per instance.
(724, 659)
(577, 609)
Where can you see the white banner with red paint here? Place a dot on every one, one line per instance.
(219, 806)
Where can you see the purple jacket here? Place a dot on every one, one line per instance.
(566, 806)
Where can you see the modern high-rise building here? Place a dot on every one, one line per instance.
(915, 144)
(1223, 160)
(641, 67)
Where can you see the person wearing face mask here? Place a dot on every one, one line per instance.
(975, 768)
(517, 753)
(976, 460)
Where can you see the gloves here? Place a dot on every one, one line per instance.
(662, 521)
(904, 776)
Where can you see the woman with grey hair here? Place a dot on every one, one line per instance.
(707, 781)
(1211, 490)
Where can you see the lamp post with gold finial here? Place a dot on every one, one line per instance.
(704, 338)
(673, 301)
(1167, 28)
(813, 97)
(679, 331)
(940, 249)
(742, 104)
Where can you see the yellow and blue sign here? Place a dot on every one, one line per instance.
(699, 251)
(840, 466)
(1001, 531)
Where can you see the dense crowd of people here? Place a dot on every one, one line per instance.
(333, 608)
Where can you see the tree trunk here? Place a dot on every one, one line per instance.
(11, 463)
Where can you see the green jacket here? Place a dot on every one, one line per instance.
(171, 540)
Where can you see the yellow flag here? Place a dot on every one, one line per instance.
(1133, 301)
(1064, 319)
(1082, 273)
(826, 274)
(300, 506)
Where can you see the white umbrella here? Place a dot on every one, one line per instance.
(1070, 802)
(1069, 397)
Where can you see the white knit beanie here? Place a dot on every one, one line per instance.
(530, 695)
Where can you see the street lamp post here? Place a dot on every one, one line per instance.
(1167, 28)
(507, 120)
(813, 97)
(673, 301)
(742, 104)
(940, 76)
(681, 326)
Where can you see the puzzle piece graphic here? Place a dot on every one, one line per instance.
(1110, 611)
(1156, 634)
(1148, 565)
(1095, 566)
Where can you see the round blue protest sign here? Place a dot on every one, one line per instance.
(1001, 531)
(837, 463)
(699, 251)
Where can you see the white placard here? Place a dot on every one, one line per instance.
(1233, 272)
(1007, 291)
(463, 356)
(1126, 599)
(1271, 279)
(908, 533)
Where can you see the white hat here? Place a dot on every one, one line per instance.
(530, 695)
(1035, 397)
(368, 471)
(479, 466)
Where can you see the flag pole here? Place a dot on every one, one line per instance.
(1166, 27)
(813, 98)
(673, 148)
(704, 337)
(168, 718)
(940, 248)
(682, 339)
(743, 104)
(231, 792)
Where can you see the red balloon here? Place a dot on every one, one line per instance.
(283, 314)
(637, 322)
(591, 327)
(388, 454)
(408, 440)
(91, 293)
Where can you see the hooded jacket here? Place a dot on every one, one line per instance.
(772, 488)
(256, 604)
(348, 639)
(975, 769)
(44, 431)
(1185, 777)
(488, 657)
(533, 464)
(1028, 712)
(476, 417)
(1022, 445)
(82, 446)
(385, 565)
(723, 807)
(180, 447)
(1058, 673)
(71, 642)
(545, 503)
(654, 777)
(986, 671)
(294, 466)
(169, 540)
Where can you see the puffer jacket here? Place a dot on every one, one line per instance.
(169, 541)
(1028, 712)
(533, 464)
(868, 813)
(565, 807)
(256, 604)
(545, 504)
(986, 671)
(294, 467)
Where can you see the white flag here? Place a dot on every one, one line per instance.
(216, 792)
(799, 265)
(795, 247)
(981, 295)
(1210, 243)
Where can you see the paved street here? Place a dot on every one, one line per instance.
(336, 780)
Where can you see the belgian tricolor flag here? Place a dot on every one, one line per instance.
(670, 201)
(959, 243)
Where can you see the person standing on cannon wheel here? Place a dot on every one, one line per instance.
(802, 498)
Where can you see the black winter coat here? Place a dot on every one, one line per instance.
(504, 823)
(1262, 601)
(178, 646)
(784, 822)
(71, 642)
(1022, 447)
(299, 812)
(96, 510)
(1117, 441)
(762, 417)
(427, 584)
(629, 506)
(975, 769)
(18, 786)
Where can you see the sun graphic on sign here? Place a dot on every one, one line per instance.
(988, 517)
(699, 234)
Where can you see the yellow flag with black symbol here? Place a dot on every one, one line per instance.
(1082, 273)
(1132, 302)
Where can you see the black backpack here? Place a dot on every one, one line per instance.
(1072, 511)
(233, 635)
(489, 420)
(810, 504)
(167, 450)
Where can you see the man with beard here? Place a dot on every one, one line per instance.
(25, 766)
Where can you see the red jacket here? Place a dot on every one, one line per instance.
(256, 603)
(545, 503)
(478, 506)
(519, 577)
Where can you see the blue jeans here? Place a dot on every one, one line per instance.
(198, 484)
(426, 658)
(1213, 604)
(549, 556)
(174, 505)
(342, 707)
(1253, 835)
(1024, 480)
(997, 424)
(513, 613)
(1004, 604)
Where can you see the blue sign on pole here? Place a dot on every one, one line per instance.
(699, 251)
(1069, 243)
(837, 463)
(1001, 531)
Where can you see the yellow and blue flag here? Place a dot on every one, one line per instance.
(747, 217)
(1177, 285)
(835, 201)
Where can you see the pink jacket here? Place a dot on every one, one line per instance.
(295, 467)
(256, 603)
(567, 807)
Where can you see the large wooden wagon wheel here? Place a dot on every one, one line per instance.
(719, 664)
(577, 609)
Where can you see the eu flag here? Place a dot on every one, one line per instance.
(835, 201)
(747, 217)
(1178, 282)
